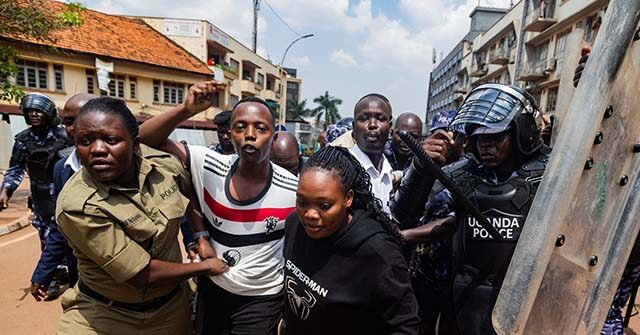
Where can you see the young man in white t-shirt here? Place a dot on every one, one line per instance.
(244, 201)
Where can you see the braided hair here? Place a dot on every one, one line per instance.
(341, 163)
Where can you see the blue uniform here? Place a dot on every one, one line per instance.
(56, 249)
(41, 190)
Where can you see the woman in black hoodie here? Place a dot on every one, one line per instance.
(344, 269)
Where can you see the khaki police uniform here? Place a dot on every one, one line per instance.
(115, 232)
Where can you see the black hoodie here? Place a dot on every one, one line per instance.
(354, 282)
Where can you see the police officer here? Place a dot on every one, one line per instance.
(501, 175)
(223, 124)
(56, 251)
(120, 214)
(36, 150)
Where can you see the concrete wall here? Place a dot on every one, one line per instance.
(75, 81)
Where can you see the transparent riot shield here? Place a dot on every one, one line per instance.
(586, 214)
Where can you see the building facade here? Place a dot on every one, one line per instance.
(244, 72)
(147, 70)
(525, 47)
(447, 79)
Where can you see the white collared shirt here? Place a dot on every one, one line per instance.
(73, 162)
(381, 182)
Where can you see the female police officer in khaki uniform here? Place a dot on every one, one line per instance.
(120, 214)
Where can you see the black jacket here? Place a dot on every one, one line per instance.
(354, 282)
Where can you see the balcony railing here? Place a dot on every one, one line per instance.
(541, 17)
(480, 70)
(534, 72)
(230, 72)
(460, 89)
(499, 56)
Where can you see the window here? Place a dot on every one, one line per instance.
(156, 91)
(58, 74)
(260, 79)
(270, 84)
(116, 86)
(215, 101)
(133, 88)
(91, 81)
(233, 100)
(561, 42)
(32, 74)
(173, 93)
(234, 66)
(552, 99)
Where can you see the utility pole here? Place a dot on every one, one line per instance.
(256, 9)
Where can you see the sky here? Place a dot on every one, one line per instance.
(358, 47)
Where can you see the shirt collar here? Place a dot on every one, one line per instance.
(73, 161)
(367, 164)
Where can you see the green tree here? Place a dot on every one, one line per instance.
(327, 106)
(297, 109)
(31, 20)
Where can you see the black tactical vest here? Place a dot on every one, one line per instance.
(481, 261)
(42, 158)
(506, 205)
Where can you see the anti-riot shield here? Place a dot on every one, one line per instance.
(585, 217)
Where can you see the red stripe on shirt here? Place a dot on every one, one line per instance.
(244, 215)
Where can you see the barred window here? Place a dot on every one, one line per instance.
(156, 91)
(173, 93)
(58, 72)
(133, 88)
(116, 86)
(91, 81)
(32, 74)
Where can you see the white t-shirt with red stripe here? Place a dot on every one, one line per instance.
(248, 233)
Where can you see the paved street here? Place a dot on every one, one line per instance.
(19, 312)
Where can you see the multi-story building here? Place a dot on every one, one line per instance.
(148, 71)
(447, 79)
(526, 47)
(546, 26)
(494, 52)
(245, 72)
(293, 84)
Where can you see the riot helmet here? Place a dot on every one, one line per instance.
(41, 103)
(495, 108)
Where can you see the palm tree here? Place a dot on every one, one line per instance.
(296, 109)
(328, 106)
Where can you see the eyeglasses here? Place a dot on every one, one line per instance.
(68, 121)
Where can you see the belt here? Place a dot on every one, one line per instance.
(135, 307)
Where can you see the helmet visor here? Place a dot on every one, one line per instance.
(491, 106)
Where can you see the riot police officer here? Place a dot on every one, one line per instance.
(505, 165)
(36, 150)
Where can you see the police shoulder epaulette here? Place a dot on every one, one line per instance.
(538, 163)
(75, 194)
(458, 168)
(149, 152)
(453, 171)
(23, 135)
